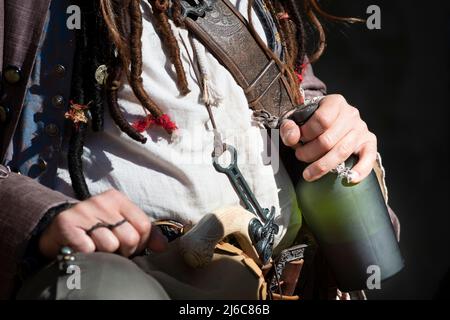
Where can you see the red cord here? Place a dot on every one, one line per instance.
(163, 121)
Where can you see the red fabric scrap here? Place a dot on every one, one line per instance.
(146, 122)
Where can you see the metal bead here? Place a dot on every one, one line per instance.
(58, 101)
(69, 258)
(101, 74)
(60, 70)
(12, 74)
(66, 250)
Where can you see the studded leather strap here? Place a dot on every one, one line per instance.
(224, 31)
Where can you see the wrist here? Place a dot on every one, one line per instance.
(33, 259)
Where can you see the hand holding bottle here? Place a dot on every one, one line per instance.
(333, 133)
(344, 209)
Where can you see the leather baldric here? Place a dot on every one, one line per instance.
(225, 32)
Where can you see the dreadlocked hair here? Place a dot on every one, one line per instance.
(298, 24)
(124, 22)
(176, 13)
(121, 59)
(305, 16)
(78, 135)
(90, 53)
(160, 11)
(120, 21)
(114, 83)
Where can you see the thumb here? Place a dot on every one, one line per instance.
(290, 133)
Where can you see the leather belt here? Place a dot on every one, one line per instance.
(224, 31)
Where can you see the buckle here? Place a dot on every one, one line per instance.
(288, 255)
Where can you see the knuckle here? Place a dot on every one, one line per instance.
(79, 207)
(344, 150)
(111, 245)
(97, 200)
(112, 193)
(130, 239)
(63, 220)
(102, 205)
(84, 246)
(375, 143)
(324, 120)
(144, 227)
(301, 155)
(326, 141)
(109, 192)
(373, 138)
(321, 168)
(354, 112)
(116, 197)
(364, 126)
(340, 98)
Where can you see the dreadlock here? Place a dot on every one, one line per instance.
(78, 94)
(91, 51)
(160, 10)
(116, 68)
(110, 36)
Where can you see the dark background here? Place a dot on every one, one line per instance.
(399, 79)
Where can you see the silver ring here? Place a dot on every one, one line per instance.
(105, 225)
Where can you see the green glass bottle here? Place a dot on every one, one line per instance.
(350, 222)
(352, 225)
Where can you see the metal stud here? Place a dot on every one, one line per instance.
(58, 101)
(60, 70)
(12, 74)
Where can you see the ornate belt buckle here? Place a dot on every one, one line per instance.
(286, 256)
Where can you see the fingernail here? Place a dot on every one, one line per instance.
(307, 174)
(288, 135)
(352, 176)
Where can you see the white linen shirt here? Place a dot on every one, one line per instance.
(176, 180)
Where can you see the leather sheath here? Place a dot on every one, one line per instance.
(224, 31)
